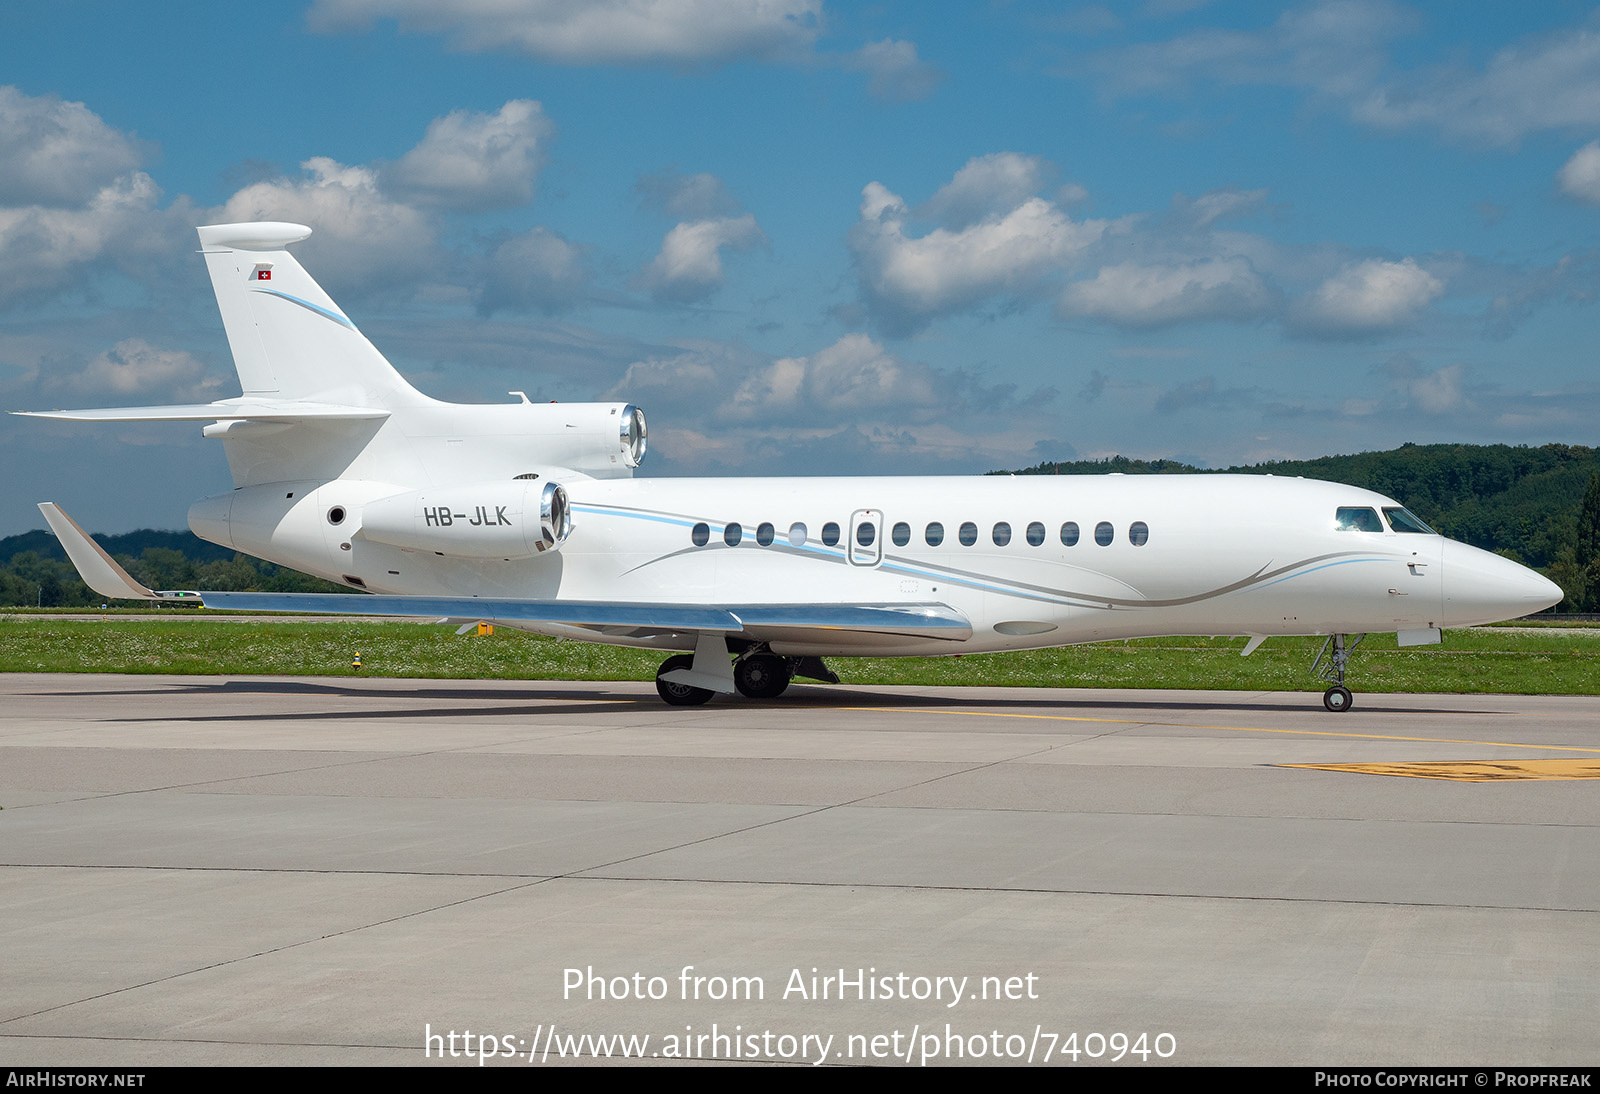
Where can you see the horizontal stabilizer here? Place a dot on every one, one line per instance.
(99, 570)
(251, 410)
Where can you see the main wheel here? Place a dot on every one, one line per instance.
(762, 676)
(679, 695)
(1337, 699)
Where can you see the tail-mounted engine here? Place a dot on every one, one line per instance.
(601, 440)
(502, 520)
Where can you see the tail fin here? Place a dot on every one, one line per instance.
(290, 341)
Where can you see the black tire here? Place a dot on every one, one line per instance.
(679, 695)
(761, 677)
(1337, 699)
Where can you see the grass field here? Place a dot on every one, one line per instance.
(1543, 661)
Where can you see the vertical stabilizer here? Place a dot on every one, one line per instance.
(289, 339)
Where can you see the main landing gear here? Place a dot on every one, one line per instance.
(1337, 651)
(757, 674)
(680, 695)
(761, 675)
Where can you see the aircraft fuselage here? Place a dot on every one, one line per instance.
(1031, 561)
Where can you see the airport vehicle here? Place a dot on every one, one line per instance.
(529, 515)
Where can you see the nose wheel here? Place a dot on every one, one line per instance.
(1330, 665)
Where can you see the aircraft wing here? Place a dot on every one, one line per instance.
(615, 618)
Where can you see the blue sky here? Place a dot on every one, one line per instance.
(811, 237)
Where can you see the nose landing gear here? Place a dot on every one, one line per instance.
(1337, 652)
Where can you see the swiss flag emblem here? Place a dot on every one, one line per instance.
(263, 275)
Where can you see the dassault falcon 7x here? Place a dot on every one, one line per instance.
(528, 515)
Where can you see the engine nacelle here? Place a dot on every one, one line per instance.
(481, 443)
(501, 520)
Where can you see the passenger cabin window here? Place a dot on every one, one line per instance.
(901, 534)
(1035, 534)
(1002, 534)
(1354, 518)
(1138, 533)
(700, 534)
(1403, 520)
(968, 534)
(797, 534)
(1069, 534)
(1104, 533)
(830, 534)
(866, 532)
(765, 534)
(935, 534)
(732, 534)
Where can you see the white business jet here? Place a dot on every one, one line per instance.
(528, 515)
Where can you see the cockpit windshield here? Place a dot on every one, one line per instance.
(1353, 518)
(1360, 518)
(1403, 520)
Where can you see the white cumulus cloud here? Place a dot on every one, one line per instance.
(689, 265)
(673, 32)
(1579, 177)
(1367, 298)
(45, 248)
(363, 237)
(1340, 52)
(986, 186)
(134, 366)
(854, 374)
(1133, 295)
(477, 161)
(72, 204)
(909, 279)
(54, 152)
(895, 71)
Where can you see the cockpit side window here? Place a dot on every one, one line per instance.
(1403, 520)
(1352, 518)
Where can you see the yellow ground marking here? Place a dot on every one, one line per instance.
(1236, 729)
(1474, 771)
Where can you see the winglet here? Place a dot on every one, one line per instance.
(98, 569)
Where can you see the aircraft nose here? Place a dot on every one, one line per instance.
(1480, 587)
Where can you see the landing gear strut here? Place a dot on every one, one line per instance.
(1337, 652)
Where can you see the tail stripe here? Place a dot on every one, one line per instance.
(324, 312)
